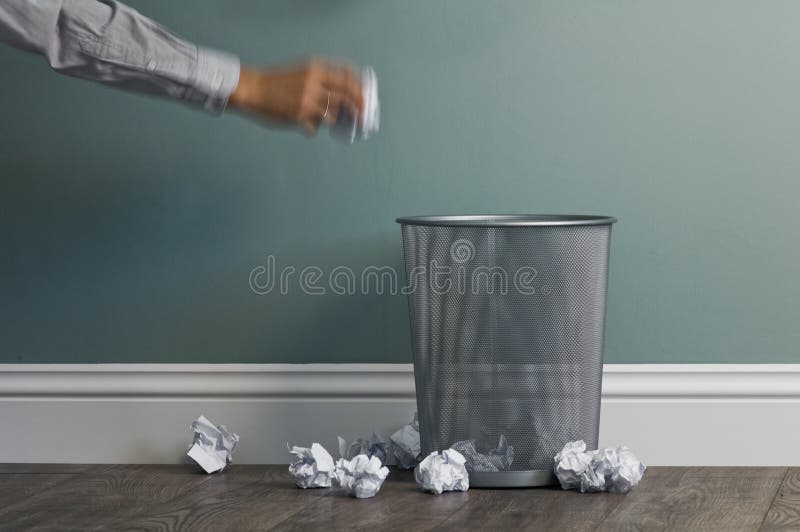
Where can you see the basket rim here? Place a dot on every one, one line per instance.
(508, 220)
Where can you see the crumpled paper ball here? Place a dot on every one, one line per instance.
(406, 446)
(571, 463)
(627, 473)
(438, 473)
(212, 446)
(497, 459)
(375, 446)
(615, 470)
(313, 467)
(362, 476)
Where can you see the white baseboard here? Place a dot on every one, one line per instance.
(140, 413)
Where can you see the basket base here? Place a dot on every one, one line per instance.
(512, 479)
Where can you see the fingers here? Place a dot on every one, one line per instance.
(324, 108)
(311, 119)
(327, 108)
(309, 127)
(342, 81)
(329, 90)
(334, 103)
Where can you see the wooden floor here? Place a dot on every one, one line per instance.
(76, 497)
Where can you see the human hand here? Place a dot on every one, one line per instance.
(302, 95)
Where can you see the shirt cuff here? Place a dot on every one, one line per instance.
(216, 76)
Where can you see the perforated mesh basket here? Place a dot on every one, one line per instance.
(507, 322)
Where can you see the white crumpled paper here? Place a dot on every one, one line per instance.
(615, 470)
(362, 476)
(442, 472)
(213, 445)
(313, 467)
(375, 446)
(627, 471)
(406, 445)
(498, 459)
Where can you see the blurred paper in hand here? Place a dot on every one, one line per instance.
(368, 122)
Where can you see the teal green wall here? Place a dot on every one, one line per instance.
(129, 226)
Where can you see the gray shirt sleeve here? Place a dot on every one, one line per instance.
(113, 44)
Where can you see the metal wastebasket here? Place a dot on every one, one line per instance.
(507, 323)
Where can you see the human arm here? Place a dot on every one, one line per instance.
(108, 42)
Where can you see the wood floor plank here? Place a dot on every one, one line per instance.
(246, 498)
(217, 505)
(241, 498)
(570, 510)
(542, 508)
(32, 469)
(784, 514)
(484, 509)
(19, 488)
(501, 509)
(725, 499)
(400, 505)
(87, 501)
